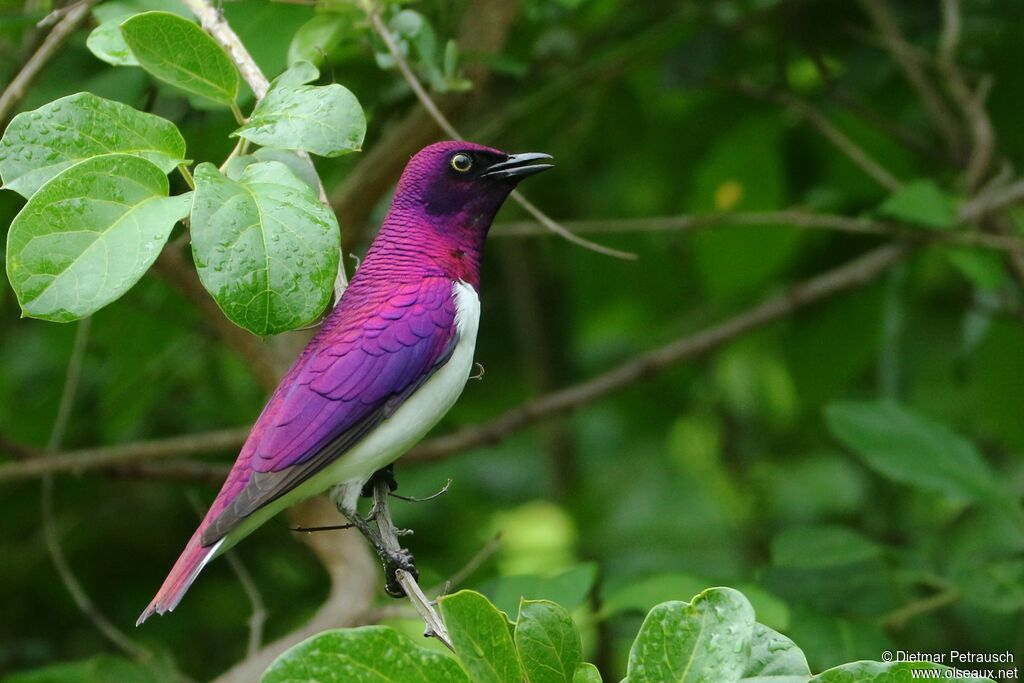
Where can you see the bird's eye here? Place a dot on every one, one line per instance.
(462, 163)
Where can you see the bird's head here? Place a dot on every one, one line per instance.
(463, 184)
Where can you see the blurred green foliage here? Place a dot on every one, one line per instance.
(856, 470)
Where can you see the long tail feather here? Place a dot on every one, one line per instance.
(185, 570)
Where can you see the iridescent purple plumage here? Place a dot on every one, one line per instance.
(394, 327)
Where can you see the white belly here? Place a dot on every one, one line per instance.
(396, 434)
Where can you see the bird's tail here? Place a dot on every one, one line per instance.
(185, 570)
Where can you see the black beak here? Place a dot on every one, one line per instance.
(518, 166)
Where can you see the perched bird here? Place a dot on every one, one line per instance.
(386, 365)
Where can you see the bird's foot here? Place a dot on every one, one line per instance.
(393, 561)
(386, 474)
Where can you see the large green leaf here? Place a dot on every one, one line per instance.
(179, 52)
(774, 658)
(707, 640)
(921, 202)
(89, 234)
(879, 672)
(265, 247)
(548, 642)
(370, 654)
(38, 145)
(324, 120)
(912, 449)
(481, 638)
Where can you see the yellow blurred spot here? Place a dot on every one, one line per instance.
(536, 538)
(728, 195)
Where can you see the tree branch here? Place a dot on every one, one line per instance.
(897, 45)
(828, 130)
(18, 87)
(796, 218)
(852, 274)
(212, 20)
(50, 534)
(108, 456)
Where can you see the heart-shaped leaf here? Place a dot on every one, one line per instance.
(264, 246)
(706, 640)
(89, 234)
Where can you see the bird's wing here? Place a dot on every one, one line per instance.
(377, 352)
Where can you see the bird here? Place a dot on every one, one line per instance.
(386, 365)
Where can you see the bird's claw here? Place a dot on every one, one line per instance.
(403, 560)
(386, 474)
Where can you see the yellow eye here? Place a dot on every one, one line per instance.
(462, 163)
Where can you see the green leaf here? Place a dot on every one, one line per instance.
(822, 546)
(89, 234)
(548, 642)
(879, 672)
(983, 268)
(100, 669)
(643, 594)
(369, 654)
(177, 51)
(38, 145)
(774, 658)
(586, 673)
(706, 640)
(299, 73)
(325, 120)
(569, 588)
(106, 42)
(317, 38)
(481, 638)
(921, 202)
(911, 449)
(264, 246)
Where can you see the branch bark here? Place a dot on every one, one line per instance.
(19, 85)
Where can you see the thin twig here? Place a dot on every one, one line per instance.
(897, 45)
(389, 536)
(16, 89)
(796, 218)
(971, 104)
(50, 534)
(828, 130)
(852, 274)
(442, 121)
(468, 569)
(216, 25)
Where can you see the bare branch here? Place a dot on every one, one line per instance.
(50, 535)
(828, 130)
(442, 121)
(389, 533)
(897, 45)
(108, 456)
(796, 218)
(16, 89)
(971, 104)
(852, 274)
